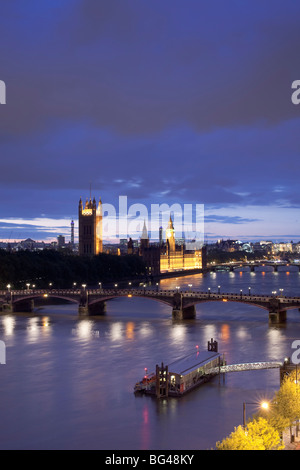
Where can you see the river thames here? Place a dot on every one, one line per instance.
(68, 381)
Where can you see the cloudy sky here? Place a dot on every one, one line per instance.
(163, 101)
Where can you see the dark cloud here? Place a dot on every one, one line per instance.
(242, 166)
(139, 68)
(161, 101)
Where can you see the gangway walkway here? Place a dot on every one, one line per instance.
(244, 367)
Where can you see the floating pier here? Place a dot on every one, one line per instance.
(184, 374)
(189, 372)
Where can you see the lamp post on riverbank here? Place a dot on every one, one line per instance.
(263, 405)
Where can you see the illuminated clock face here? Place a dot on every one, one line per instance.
(169, 233)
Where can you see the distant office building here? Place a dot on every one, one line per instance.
(296, 247)
(282, 247)
(161, 234)
(28, 245)
(151, 257)
(61, 241)
(72, 234)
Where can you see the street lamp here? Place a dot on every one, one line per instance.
(263, 405)
(28, 285)
(249, 290)
(219, 289)
(190, 286)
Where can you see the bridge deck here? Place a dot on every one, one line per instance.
(142, 292)
(178, 299)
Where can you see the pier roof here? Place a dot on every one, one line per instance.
(192, 361)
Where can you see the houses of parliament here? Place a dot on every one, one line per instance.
(162, 257)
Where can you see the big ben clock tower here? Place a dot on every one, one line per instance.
(90, 228)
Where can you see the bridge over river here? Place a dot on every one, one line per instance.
(182, 303)
(277, 266)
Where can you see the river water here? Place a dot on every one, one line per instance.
(68, 381)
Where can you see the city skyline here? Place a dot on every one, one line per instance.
(161, 102)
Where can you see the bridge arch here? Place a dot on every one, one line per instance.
(100, 306)
(31, 297)
(128, 296)
(240, 301)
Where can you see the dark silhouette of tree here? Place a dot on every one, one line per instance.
(65, 269)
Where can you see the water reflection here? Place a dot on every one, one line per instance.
(225, 333)
(178, 333)
(146, 330)
(37, 328)
(275, 343)
(116, 331)
(86, 386)
(210, 331)
(130, 330)
(8, 323)
(145, 429)
(84, 329)
(242, 333)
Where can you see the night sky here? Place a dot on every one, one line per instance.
(164, 101)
